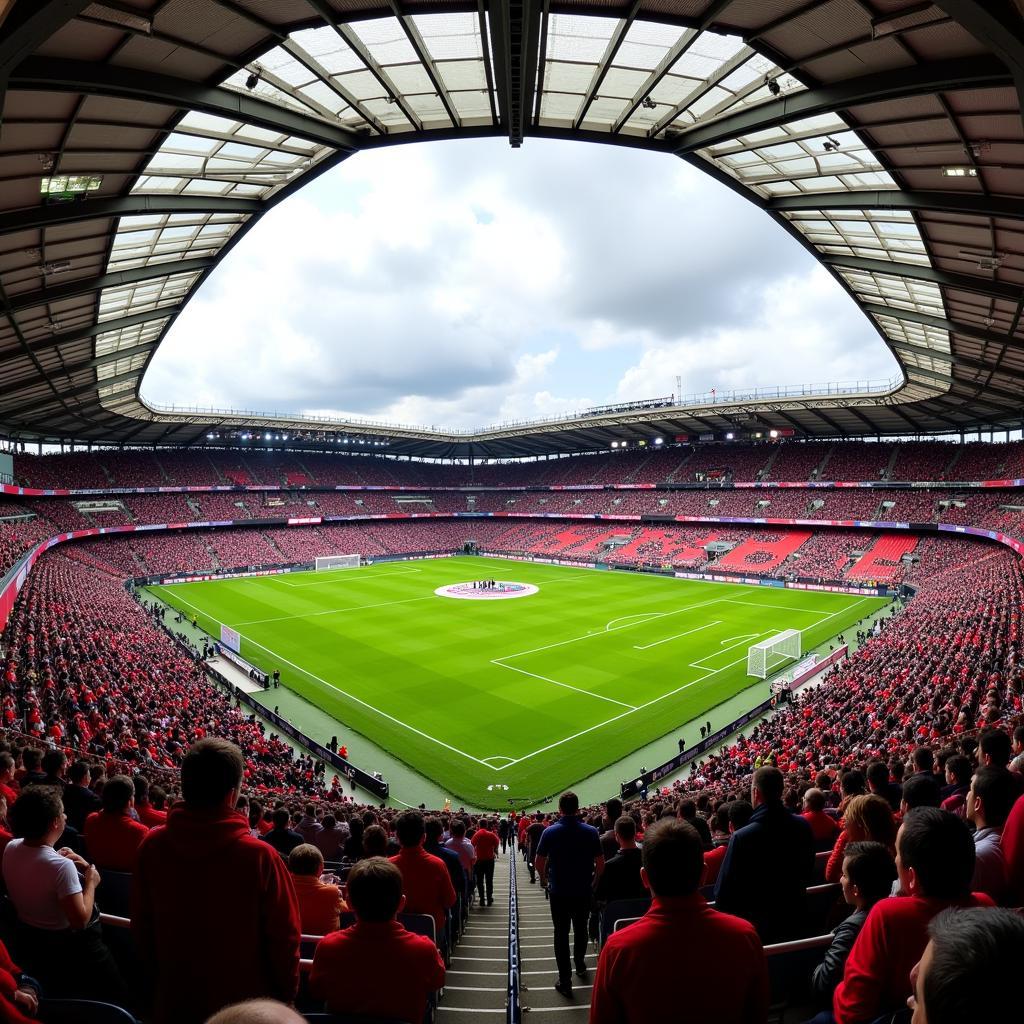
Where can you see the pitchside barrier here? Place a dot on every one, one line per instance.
(363, 779)
(652, 775)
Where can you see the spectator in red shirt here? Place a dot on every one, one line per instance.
(823, 827)
(207, 893)
(485, 843)
(377, 968)
(425, 879)
(149, 815)
(970, 967)
(112, 836)
(1012, 843)
(19, 1000)
(320, 902)
(723, 975)
(934, 862)
(8, 787)
(739, 814)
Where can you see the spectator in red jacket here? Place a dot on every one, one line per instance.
(19, 1000)
(723, 974)
(739, 813)
(214, 910)
(485, 844)
(377, 968)
(824, 828)
(112, 836)
(970, 967)
(425, 879)
(1012, 843)
(934, 862)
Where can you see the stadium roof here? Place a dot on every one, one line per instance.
(142, 138)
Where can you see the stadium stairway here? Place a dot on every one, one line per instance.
(477, 980)
(537, 960)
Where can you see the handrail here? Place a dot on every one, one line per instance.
(513, 1011)
(799, 945)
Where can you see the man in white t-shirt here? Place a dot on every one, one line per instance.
(53, 893)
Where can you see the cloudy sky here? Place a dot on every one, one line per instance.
(463, 283)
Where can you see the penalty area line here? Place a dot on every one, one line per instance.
(568, 686)
(696, 629)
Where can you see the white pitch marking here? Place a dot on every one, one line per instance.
(496, 757)
(568, 686)
(740, 641)
(357, 578)
(610, 625)
(370, 707)
(696, 629)
(649, 703)
(334, 611)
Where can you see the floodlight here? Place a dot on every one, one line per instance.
(659, 440)
(959, 172)
(730, 436)
(266, 437)
(773, 433)
(254, 79)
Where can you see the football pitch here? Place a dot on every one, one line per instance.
(533, 693)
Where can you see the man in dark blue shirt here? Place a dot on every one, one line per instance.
(569, 859)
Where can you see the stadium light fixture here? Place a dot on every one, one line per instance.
(773, 433)
(773, 85)
(266, 437)
(615, 444)
(730, 436)
(959, 172)
(659, 440)
(254, 78)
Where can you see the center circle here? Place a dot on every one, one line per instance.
(487, 590)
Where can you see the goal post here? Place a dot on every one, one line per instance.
(769, 654)
(337, 562)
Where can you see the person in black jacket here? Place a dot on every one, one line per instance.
(620, 879)
(768, 865)
(79, 800)
(868, 873)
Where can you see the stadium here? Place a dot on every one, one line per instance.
(321, 716)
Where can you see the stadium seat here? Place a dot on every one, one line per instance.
(82, 1011)
(616, 911)
(790, 966)
(114, 895)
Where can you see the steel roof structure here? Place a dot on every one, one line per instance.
(140, 139)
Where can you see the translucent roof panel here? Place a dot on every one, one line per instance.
(146, 295)
(897, 292)
(648, 79)
(873, 234)
(146, 240)
(819, 154)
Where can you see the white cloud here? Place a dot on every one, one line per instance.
(460, 284)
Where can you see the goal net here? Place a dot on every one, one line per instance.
(769, 654)
(337, 562)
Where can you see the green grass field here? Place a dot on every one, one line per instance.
(533, 693)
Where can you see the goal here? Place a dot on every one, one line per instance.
(337, 562)
(769, 654)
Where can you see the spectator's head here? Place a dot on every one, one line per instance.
(686, 809)
(54, 763)
(7, 767)
(673, 858)
(31, 759)
(79, 774)
(877, 776)
(958, 770)
(613, 809)
(433, 829)
(625, 831)
(306, 861)
(868, 873)
(869, 818)
(740, 813)
(374, 889)
(994, 749)
(458, 829)
(38, 815)
(281, 818)
(934, 855)
(375, 842)
(409, 828)
(923, 759)
(992, 793)
(969, 967)
(920, 791)
(569, 804)
(329, 822)
(814, 800)
(141, 784)
(1017, 746)
(257, 1011)
(852, 784)
(118, 794)
(211, 775)
(766, 786)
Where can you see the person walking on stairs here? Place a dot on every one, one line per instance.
(569, 860)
